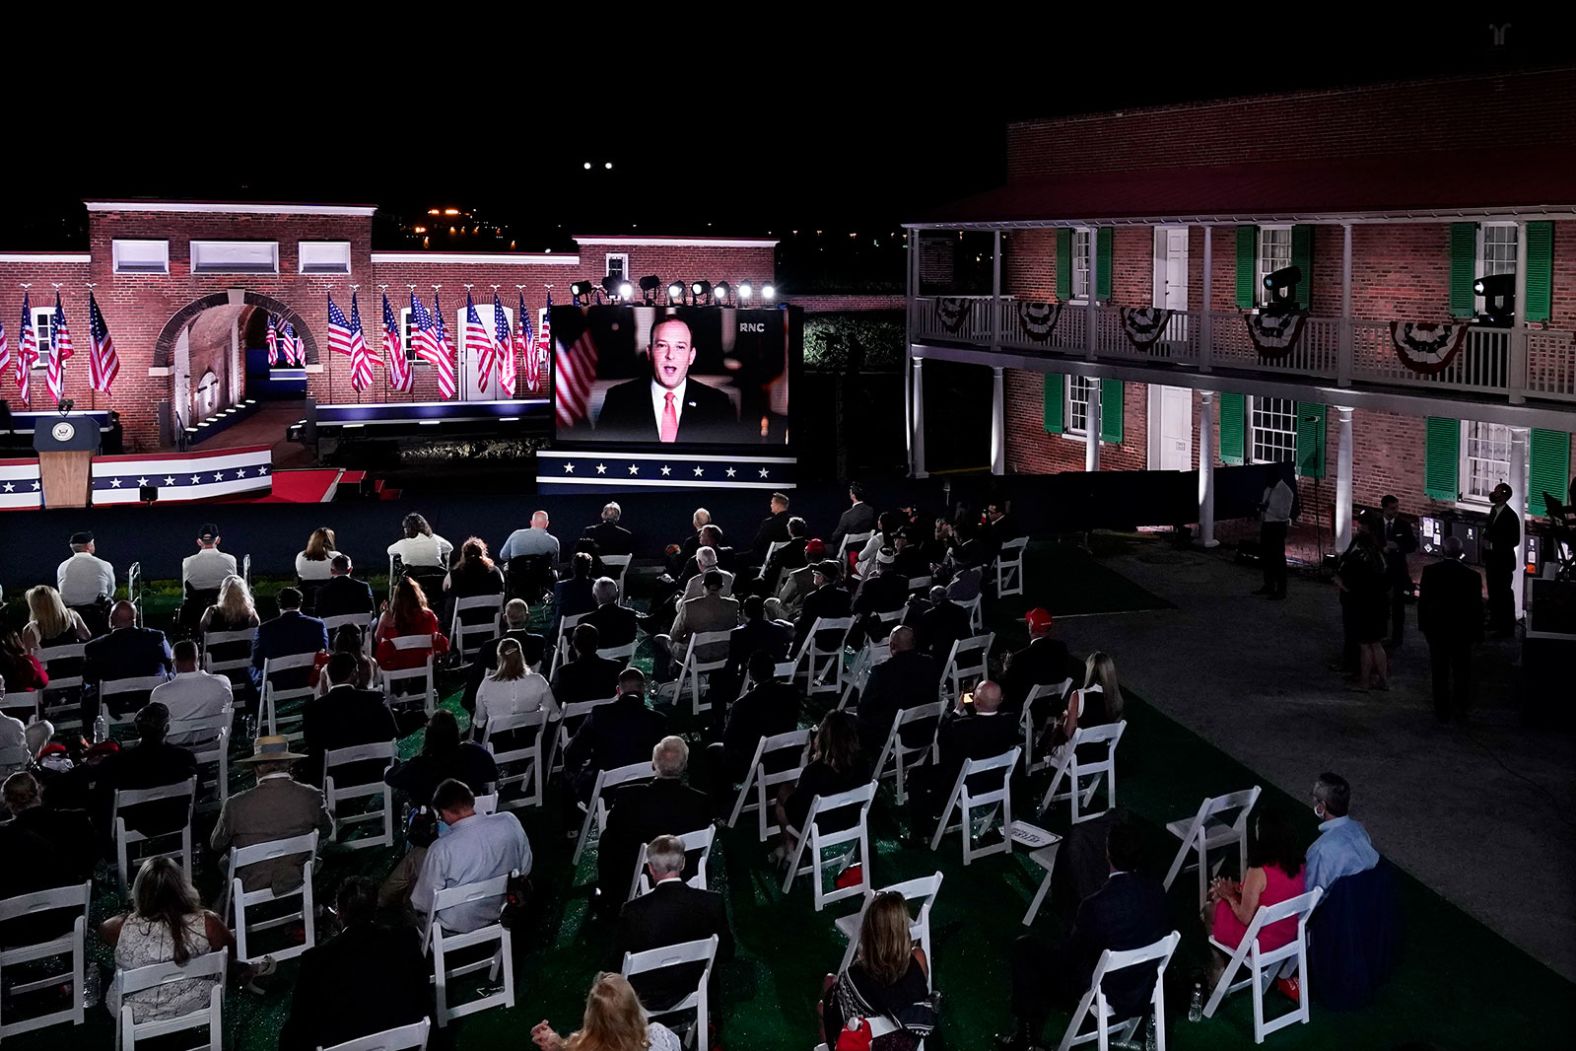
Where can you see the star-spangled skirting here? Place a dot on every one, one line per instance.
(188, 476)
(20, 488)
(567, 471)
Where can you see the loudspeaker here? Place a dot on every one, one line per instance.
(148, 494)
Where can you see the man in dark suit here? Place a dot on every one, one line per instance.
(980, 730)
(290, 633)
(585, 676)
(517, 626)
(68, 834)
(758, 632)
(770, 707)
(785, 559)
(364, 980)
(671, 914)
(773, 529)
(710, 536)
(1501, 536)
(684, 550)
(574, 595)
(1127, 912)
(1043, 662)
(828, 600)
(903, 680)
(881, 590)
(641, 812)
(614, 734)
(1450, 616)
(910, 561)
(610, 537)
(860, 518)
(342, 717)
(938, 627)
(127, 652)
(668, 406)
(1398, 540)
(343, 594)
(615, 624)
(150, 763)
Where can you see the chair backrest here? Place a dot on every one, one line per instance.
(486, 804)
(827, 625)
(137, 684)
(224, 638)
(772, 548)
(462, 894)
(861, 797)
(623, 775)
(357, 753)
(1112, 960)
(1012, 550)
(1300, 907)
(411, 642)
(241, 857)
(289, 662)
(581, 709)
(853, 540)
(141, 979)
(130, 797)
(494, 602)
(207, 729)
(702, 640)
(795, 741)
(971, 653)
(702, 951)
(358, 620)
(1107, 734)
(922, 889)
(411, 1037)
(41, 901)
(1004, 762)
(618, 653)
(59, 654)
(1241, 801)
(919, 713)
(500, 724)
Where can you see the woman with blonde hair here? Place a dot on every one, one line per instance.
(888, 978)
(50, 622)
(512, 688)
(315, 562)
(234, 609)
(613, 1021)
(166, 924)
(1096, 703)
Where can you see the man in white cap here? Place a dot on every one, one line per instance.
(278, 808)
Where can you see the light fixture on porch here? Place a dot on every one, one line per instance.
(1282, 286)
(650, 285)
(1499, 299)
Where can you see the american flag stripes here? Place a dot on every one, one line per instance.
(576, 369)
(296, 346)
(424, 341)
(394, 350)
(501, 336)
(273, 342)
(103, 361)
(5, 349)
(479, 339)
(445, 359)
(544, 345)
(528, 356)
(60, 351)
(338, 329)
(360, 358)
(26, 353)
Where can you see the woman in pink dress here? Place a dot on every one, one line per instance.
(1275, 874)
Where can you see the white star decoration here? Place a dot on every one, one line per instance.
(601, 468)
(633, 469)
(142, 481)
(9, 487)
(240, 472)
(114, 483)
(218, 476)
(168, 480)
(732, 472)
(35, 487)
(699, 472)
(763, 472)
(196, 478)
(666, 470)
(262, 470)
(569, 468)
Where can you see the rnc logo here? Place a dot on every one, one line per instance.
(758, 327)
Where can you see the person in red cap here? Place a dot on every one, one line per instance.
(798, 583)
(1043, 661)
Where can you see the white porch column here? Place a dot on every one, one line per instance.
(1206, 330)
(1343, 476)
(998, 421)
(1094, 284)
(995, 293)
(1517, 380)
(1518, 503)
(1092, 432)
(1343, 361)
(1206, 463)
(911, 262)
(917, 443)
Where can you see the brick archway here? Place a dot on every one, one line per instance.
(164, 346)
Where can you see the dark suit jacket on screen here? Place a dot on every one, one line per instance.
(627, 413)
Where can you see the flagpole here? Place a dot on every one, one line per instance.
(92, 390)
(411, 394)
(57, 366)
(328, 353)
(383, 293)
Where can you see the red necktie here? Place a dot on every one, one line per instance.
(670, 420)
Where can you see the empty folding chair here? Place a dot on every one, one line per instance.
(127, 838)
(637, 963)
(229, 653)
(1094, 1007)
(119, 699)
(1032, 726)
(625, 652)
(279, 673)
(1042, 847)
(922, 891)
(865, 660)
(596, 809)
(357, 772)
(617, 567)
(1083, 775)
(240, 900)
(779, 760)
(566, 629)
(442, 944)
(208, 738)
(1264, 967)
(411, 1037)
(853, 840)
(976, 616)
(904, 756)
(697, 846)
(1009, 567)
(693, 667)
(62, 698)
(128, 1030)
(515, 742)
(1208, 830)
(967, 665)
(821, 657)
(31, 958)
(996, 797)
(469, 632)
(405, 685)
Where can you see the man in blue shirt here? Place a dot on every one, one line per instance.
(1343, 847)
(533, 541)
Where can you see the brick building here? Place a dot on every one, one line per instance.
(186, 289)
(1389, 200)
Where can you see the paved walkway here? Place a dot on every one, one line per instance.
(1481, 813)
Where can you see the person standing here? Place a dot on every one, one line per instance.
(1362, 582)
(1398, 540)
(1450, 616)
(1501, 538)
(1275, 511)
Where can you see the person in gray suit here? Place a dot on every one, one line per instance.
(278, 808)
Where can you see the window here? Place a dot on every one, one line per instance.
(324, 257)
(235, 257)
(618, 265)
(1273, 425)
(1080, 264)
(1485, 459)
(1274, 254)
(405, 327)
(1496, 254)
(43, 325)
(1079, 390)
(141, 257)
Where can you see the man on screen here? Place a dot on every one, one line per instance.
(669, 407)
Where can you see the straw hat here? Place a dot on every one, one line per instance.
(271, 750)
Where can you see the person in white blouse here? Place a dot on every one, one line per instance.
(421, 546)
(315, 563)
(513, 689)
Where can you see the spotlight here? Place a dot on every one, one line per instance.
(701, 290)
(720, 292)
(1282, 285)
(611, 283)
(746, 290)
(649, 287)
(1499, 299)
(66, 405)
(676, 293)
(582, 292)
(768, 291)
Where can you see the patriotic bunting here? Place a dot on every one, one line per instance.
(1275, 336)
(1424, 348)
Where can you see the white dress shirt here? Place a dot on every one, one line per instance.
(529, 693)
(422, 550)
(85, 578)
(207, 568)
(315, 569)
(659, 401)
(476, 849)
(193, 695)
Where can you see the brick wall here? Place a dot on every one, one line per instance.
(834, 304)
(74, 297)
(1030, 450)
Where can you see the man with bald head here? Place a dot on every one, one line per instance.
(903, 680)
(533, 541)
(667, 406)
(976, 730)
(127, 652)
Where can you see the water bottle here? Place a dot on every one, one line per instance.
(100, 729)
(1195, 1007)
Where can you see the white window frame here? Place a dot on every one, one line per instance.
(1091, 389)
(1480, 263)
(1464, 469)
(43, 318)
(1262, 294)
(1254, 406)
(195, 248)
(1080, 257)
(142, 268)
(334, 267)
(608, 264)
(411, 357)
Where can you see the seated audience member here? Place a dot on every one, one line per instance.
(1127, 912)
(909, 561)
(443, 757)
(1000, 524)
(32, 865)
(344, 716)
(610, 537)
(347, 639)
(206, 570)
(796, 584)
(710, 611)
(420, 547)
(512, 688)
(166, 924)
(475, 848)
(773, 528)
(585, 676)
(1342, 847)
(192, 694)
(516, 626)
(343, 594)
(127, 652)
(1274, 875)
(970, 549)
(1098, 702)
(880, 590)
(905, 679)
(859, 517)
(711, 536)
(278, 807)
(770, 707)
(970, 731)
(406, 614)
(888, 976)
(615, 734)
(706, 560)
(66, 834)
(20, 671)
(290, 634)
(940, 625)
(682, 552)
(671, 914)
(152, 762)
(233, 610)
(534, 542)
(14, 751)
(50, 623)
(87, 582)
(315, 562)
(787, 558)
(573, 596)
(638, 811)
(758, 632)
(366, 979)
(615, 624)
(1043, 662)
(965, 584)
(829, 600)
(473, 576)
(614, 1020)
(882, 538)
(836, 765)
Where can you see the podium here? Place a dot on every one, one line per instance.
(65, 445)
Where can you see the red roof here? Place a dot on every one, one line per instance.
(1422, 183)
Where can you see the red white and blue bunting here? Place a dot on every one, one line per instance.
(1145, 326)
(1038, 320)
(1275, 336)
(1425, 348)
(953, 313)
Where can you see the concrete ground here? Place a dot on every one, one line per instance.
(1481, 813)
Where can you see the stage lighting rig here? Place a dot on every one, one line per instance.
(721, 292)
(650, 286)
(676, 294)
(768, 292)
(746, 290)
(626, 291)
(583, 291)
(1282, 285)
(701, 291)
(1499, 300)
(614, 285)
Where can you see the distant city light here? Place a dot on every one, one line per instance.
(608, 166)
(451, 211)
(588, 165)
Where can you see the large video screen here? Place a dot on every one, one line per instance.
(666, 375)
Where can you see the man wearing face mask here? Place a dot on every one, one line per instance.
(1343, 847)
(668, 406)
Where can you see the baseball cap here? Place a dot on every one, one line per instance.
(815, 549)
(886, 556)
(1039, 621)
(208, 531)
(83, 537)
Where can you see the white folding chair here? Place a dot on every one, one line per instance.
(339, 788)
(824, 667)
(693, 667)
(61, 698)
(1207, 830)
(274, 695)
(637, 963)
(239, 900)
(1031, 729)
(139, 686)
(854, 542)
(574, 713)
(566, 628)
(1265, 967)
(1009, 567)
(904, 757)
(443, 943)
(411, 1037)
(134, 589)
(1076, 771)
(918, 585)
(70, 945)
(237, 669)
(397, 680)
(140, 979)
(486, 804)
(695, 843)
(532, 725)
(872, 654)
(617, 567)
(126, 838)
(923, 891)
(855, 839)
(596, 809)
(1042, 846)
(966, 802)
(460, 632)
(772, 548)
(361, 621)
(967, 665)
(793, 743)
(625, 652)
(976, 617)
(208, 738)
(1094, 1006)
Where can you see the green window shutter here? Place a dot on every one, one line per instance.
(1103, 255)
(1055, 402)
(1247, 267)
(1463, 261)
(1550, 469)
(1310, 440)
(1540, 271)
(1442, 459)
(1111, 408)
(1064, 265)
(1302, 259)
(1233, 427)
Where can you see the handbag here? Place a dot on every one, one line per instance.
(856, 1036)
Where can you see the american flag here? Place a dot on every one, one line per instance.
(360, 358)
(103, 361)
(500, 336)
(5, 349)
(533, 373)
(60, 351)
(576, 369)
(445, 359)
(338, 329)
(544, 345)
(477, 336)
(394, 351)
(273, 342)
(424, 343)
(26, 353)
(297, 345)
